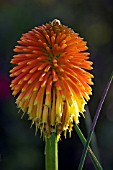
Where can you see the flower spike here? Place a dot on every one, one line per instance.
(51, 78)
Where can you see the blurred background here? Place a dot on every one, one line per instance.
(93, 20)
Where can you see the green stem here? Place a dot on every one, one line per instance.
(51, 152)
(90, 152)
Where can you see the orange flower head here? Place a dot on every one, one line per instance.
(51, 81)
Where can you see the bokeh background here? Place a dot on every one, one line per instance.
(93, 20)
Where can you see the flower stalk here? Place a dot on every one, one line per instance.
(94, 124)
(51, 152)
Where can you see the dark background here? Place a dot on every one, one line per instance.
(93, 20)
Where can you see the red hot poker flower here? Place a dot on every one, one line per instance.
(50, 77)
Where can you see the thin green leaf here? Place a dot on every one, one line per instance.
(90, 152)
(94, 124)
